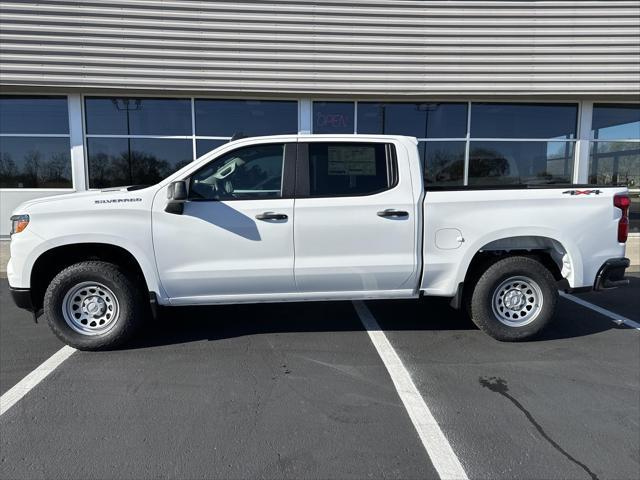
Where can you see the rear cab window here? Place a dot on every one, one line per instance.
(338, 169)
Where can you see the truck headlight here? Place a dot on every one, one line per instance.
(19, 223)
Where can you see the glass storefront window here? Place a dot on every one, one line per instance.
(28, 159)
(421, 120)
(443, 163)
(524, 121)
(634, 212)
(615, 122)
(249, 118)
(615, 152)
(615, 163)
(138, 116)
(33, 115)
(618, 163)
(135, 161)
(206, 145)
(333, 117)
(153, 137)
(35, 162)
(509, 163)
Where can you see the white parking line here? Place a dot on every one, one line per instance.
(603, 311)
(435, 443)
(19, 390)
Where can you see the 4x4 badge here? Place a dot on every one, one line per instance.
(581, 192)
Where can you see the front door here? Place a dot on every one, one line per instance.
(355, 228)
(234, 241)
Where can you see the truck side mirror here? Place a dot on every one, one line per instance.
(177, 194)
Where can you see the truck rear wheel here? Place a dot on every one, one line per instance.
(514, 299)
(93, 306)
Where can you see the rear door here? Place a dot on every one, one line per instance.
(355, 224)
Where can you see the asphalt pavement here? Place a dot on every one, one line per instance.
(299, 391)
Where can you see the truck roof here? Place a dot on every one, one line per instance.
(337, 137)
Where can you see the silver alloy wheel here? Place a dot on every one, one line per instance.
(517, 301)
(90, 308)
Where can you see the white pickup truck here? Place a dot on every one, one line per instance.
(311, 217)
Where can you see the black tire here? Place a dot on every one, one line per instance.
(128, 295)
(513, 314)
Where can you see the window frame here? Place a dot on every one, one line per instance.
(192, 136)
(593, 141)
(303, 180)
(288, 174)
(307, 121)
(194, 100)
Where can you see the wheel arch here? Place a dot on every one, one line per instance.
(557, 254)
(50, 262)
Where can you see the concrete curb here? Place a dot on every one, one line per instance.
(4, 256)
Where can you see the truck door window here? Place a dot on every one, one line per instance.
(253, 172)
(349, 169)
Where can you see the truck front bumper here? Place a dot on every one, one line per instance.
(611, 274)
(22, 297)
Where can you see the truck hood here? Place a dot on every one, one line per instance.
(76, 200)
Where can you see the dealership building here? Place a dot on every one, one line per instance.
(499, 93)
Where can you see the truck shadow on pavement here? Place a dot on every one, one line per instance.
(176, 325)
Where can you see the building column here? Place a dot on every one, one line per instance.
(305, 115)
(78, 165)
(581, 171)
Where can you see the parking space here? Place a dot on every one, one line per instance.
(228, 392)
(299, 391)
(623, 301)
(565, 406)
(23, 344)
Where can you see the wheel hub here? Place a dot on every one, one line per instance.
(90, 308)
(514, 300)
(94, 305)
(517, 301)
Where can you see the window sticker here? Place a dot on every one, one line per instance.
(352, 160)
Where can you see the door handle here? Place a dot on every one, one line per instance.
(271, 216)
(390, 212)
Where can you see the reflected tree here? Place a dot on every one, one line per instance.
(8, 171)
(32, 167)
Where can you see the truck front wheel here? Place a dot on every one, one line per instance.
(92, 305)
(514, 299)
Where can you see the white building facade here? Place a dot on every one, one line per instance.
(500, 93)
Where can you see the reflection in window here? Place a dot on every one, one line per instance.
(612, 160)
(502, 120)
(246, 173)
(138, 116)
(35, 162)
(634, 212)
(616, 122)
(134, 161)
(333, 117)
(33, 115)
(530, 163)
(615, 163)
(205, 145)
(421, 120)
(248, 118)
(443, 163)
